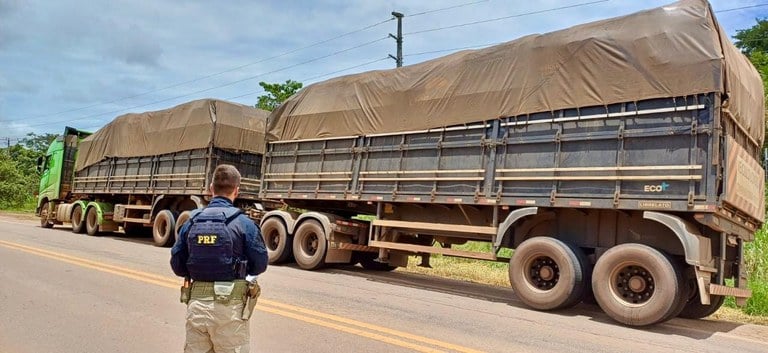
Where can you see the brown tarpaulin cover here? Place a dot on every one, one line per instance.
(671, 51)
(188, 126)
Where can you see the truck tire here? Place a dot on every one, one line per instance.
(368, 261)
(548, 274)
(164, 228)
(45, 212)
(183, 218)
(693, 308)
(78, 224)
(92, 221)
(637, 285)
(279, 244)
(310, 245)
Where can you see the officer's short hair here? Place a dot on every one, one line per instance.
(225, 179)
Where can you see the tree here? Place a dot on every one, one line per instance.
(276, 93)
(754, 38)
(38, 143)
(14, 186)
(753, 42)
(18, 170)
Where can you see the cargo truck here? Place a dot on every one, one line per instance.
(619, 159)
(141, 172)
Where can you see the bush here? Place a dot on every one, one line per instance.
(16, 188)
(756, 260)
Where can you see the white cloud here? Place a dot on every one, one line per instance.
(64, 55)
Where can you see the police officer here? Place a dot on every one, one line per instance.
(217, 248)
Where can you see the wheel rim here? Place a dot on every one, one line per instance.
(542, 272)
(272, 240)
(633, 284)
(309, 244)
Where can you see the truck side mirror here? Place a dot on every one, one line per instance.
(40, 165)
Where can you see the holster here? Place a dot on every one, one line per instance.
(250, 299)
(186, 291)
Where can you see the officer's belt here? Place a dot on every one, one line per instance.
(205, 290)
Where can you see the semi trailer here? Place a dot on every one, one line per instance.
(619, 159)
(141, 172)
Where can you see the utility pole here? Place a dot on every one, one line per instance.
(398, 39)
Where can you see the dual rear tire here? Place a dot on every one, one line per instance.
(638, 285)
(548, 274)
(278, 242)
(310, 245)
(164, 229)
(634, 284)
(78, 223)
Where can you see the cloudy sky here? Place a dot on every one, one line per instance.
(82, 63)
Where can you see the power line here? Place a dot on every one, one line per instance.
(454, 49)
(741, 8)
(246, 65)
(508, 17)
(215, 87)
(446, 8)
(210, 75)
(316, 77)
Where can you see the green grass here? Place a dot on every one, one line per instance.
(27, 207)
(756, 259)
(479, 271)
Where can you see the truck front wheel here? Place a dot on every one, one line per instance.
(637, 285)
(45, 212)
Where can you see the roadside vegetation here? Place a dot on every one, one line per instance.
(18, 172)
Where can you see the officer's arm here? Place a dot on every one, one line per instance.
(255, 250)
(180, 253)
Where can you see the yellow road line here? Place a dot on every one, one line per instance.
(351, 330)
(85, 263)
(372, 327)
(264, 303)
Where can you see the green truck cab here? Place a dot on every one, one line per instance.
(57, 172)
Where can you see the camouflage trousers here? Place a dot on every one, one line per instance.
(216, 327)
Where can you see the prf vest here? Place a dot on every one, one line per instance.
(215, 248)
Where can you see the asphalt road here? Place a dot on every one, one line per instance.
(65, 292)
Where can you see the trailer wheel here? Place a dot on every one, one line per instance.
(637, 285)
(279, 244)
(183, 218)
(45, 211)
(368, 261)
(548, 274)
(163, 229)
(78, 226)
(694, 309)
(309, 245)
(92, 221)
